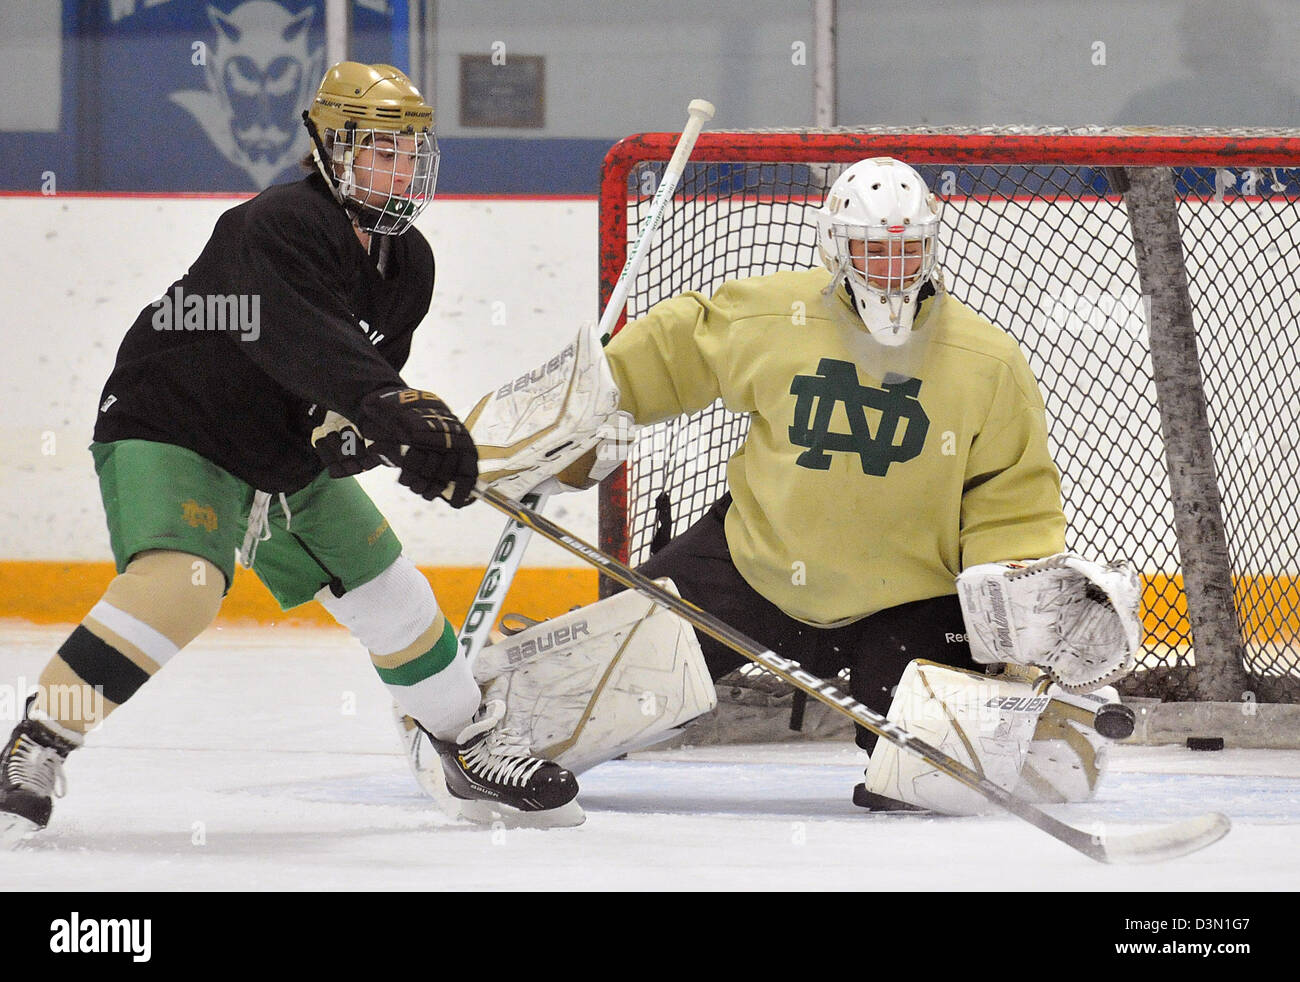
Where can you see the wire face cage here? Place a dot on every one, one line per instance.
(1036, 236)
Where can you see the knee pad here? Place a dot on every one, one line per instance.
(396, 617)
(390, 612)
(161, 602)
(985, 722)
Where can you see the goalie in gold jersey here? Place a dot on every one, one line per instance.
(898, 440)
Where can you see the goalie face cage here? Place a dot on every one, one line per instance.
(1036, 238)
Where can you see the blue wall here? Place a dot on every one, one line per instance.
(175, 98)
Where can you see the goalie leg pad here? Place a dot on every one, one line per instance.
(985, 722)
(1067, 757)
(616, 676)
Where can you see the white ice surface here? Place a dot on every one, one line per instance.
(265, 760)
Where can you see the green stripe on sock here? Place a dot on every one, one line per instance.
(427, 665)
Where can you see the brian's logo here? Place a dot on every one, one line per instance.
(197, 515)
(893, 405)
(261, 75)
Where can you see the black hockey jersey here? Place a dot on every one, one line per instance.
(282, 311)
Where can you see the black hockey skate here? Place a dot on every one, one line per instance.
(495, 778)
(31, 777)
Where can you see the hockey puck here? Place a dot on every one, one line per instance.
(1205, 743)
(1115, 721)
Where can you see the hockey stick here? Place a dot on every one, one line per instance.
(500, 573)
(1167, 842)
(510, 546)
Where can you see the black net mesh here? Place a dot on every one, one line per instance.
(1046, 253)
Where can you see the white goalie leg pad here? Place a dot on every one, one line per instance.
(1076, 619)
(1068, 757)
(616, 676)
(985, 722)
(560, 420)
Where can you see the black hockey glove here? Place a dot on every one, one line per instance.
(339, 444)
(440, 455)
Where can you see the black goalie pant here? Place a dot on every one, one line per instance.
(875, 649)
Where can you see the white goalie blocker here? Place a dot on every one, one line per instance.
(1062, 628)
(560, 420)
(616, 676)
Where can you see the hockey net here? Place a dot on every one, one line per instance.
(1037, 238)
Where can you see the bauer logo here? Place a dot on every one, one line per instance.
(1018, 704)
(538, 374)
(546, 642)
(109, 936)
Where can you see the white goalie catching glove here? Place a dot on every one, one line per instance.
(560, 421)
(1075, 619)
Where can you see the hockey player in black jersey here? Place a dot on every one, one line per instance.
(241, 405)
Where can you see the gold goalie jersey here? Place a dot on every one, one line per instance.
(871, 476)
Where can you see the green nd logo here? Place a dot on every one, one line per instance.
(836, 382)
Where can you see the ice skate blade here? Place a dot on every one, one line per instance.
(425, 764)
(432, 780)
(496, 814)
(14, 829)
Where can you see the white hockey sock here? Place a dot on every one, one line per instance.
(411, 645)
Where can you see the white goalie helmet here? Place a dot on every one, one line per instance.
(881, 210)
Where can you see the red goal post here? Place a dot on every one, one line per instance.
(1153, 279)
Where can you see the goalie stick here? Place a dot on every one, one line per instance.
(1166, 842)
(510, 546)
(500, 573)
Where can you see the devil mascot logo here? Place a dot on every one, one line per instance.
(261, 75)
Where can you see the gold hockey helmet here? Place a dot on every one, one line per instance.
(373, 142)
(376, 97)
